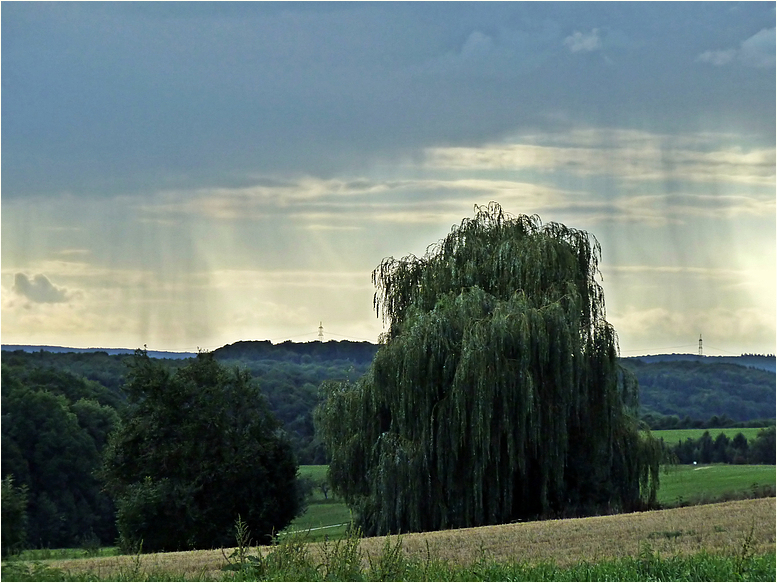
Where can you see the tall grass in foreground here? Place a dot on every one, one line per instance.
(342, 560)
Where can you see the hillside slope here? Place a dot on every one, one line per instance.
(700, 390)
(760, 361)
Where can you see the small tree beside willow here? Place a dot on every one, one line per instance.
(496, 394)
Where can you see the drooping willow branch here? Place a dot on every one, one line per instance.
(496, 394)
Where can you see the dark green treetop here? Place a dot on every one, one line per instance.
(52, 435)
(14, 516)
(496, 394)
(196, 450)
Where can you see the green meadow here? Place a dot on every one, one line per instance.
(690, 484)
(672, 436)
(326, 517)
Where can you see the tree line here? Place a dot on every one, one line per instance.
(60, 408)
(55, 426)
(725, 450)
(289, 375)
(658, 422)
(191, 449)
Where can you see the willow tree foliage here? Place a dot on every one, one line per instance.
(496, 393)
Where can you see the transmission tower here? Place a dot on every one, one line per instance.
(321, 332)
(701, 353)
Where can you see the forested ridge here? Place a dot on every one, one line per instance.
(289, 374)
(698, 390)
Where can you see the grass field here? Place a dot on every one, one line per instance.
(314, 472)
(712, 527)
(698, 484)
(689, 543)
(326, 517)
(672, 436)
(317, 474)
(323, 520)
(72, 553)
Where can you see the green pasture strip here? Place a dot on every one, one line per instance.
(64, 554)
(316, 473)
(319, 515)
(691, 483)
(334, 532)
(321, 511)
(325, 518)
(672, 436)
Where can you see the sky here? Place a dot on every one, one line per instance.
(189, 175)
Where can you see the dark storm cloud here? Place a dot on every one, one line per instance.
(126, 97)
(38, 289)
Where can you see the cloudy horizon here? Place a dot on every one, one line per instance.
(190, 175)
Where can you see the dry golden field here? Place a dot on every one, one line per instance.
(716, 528)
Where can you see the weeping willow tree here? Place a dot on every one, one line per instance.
(496, 393)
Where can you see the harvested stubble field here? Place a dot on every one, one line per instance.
(716, 528)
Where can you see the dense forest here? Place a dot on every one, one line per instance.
(58, 409)
(698, 390)
(290, 375)
(55, 426)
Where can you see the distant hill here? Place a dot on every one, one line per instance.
(364, 352)
(764, 362)
(112, 351)
(291, 374)
(288, 373)
(357, 352)
(740, 388)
